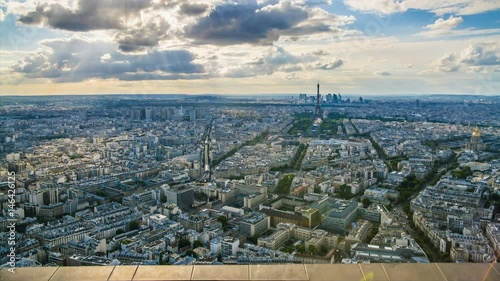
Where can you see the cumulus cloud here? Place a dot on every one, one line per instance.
(78, 60)
(448, 24)
(247, 22)
(480, 55)
(443, 27)
(89, 15)
(148, 35)
(382, 73)
(330, 66)
(447, 27)
(2, 15)
(231, 24)
(275, 59)
(320, 52)
(297, 2)
(460, 7)
(376, 6)
(138, 24)
(267, 62)
(475, 57)
(193, 9)
(448, 63)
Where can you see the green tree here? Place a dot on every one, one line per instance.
(183, 242)
(223, 220)
(344, 192)
(301, 249)
(162, 261)
(366, 202)
(254, 239)
(192, 253)
(284, 184)
(100, 193)
(317, 189)
(117, 246)
(462, 173)
(197, 244)
(495, 196)
(323, 250)
(312, 249)
(407, 208)
(288, 249)
(133, 225)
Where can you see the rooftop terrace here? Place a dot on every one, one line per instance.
(306, 272)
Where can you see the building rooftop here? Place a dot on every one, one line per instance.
(340, 208)
(254, 218)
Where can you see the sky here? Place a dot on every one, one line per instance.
(358, 47)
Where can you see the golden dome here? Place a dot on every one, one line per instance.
(476, 133)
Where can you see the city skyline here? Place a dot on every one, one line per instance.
(381, 47)
(135, 180)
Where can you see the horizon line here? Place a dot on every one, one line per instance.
(246, 94)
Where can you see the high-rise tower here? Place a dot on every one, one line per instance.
(318, 111)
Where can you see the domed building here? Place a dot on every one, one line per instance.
(475, 143)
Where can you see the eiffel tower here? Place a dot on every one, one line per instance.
(318, 112)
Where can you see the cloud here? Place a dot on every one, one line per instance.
(147, 35)
(330, 66)
(247, 22)
(475, 69)
(446, 27)
(2, 15)
(320, 52)
(232, 24)
(382, 73)
(304, 3)
(479, 55)
(274, 59)
(77, 60)
(89, 15)
(376, 6)
(441, 27)
(459, 7)
(269, 61)
(193, 9)
(448, 24)
(448, 63)
(457, 33)
(474, 57)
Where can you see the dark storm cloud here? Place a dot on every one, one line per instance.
(248, 23)
(90, 14)
(77, 60)
(147, 36)
(193, 9)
